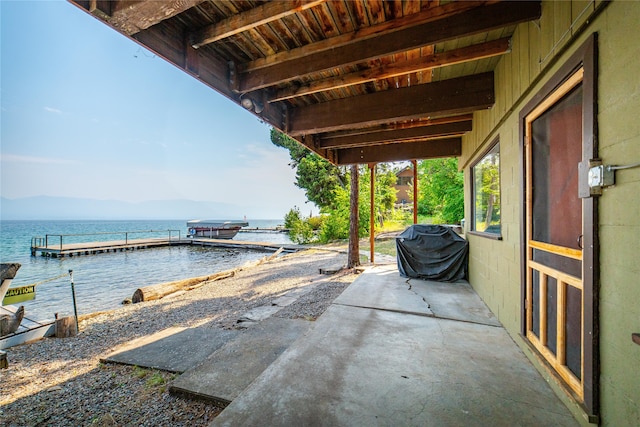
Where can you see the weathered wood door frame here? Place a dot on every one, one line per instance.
(585, 58)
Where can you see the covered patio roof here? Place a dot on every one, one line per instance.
(356, 81)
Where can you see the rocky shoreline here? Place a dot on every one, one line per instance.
(62, 382)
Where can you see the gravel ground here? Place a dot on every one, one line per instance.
(61, 382)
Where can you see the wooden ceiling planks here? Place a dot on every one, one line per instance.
(347, 78)
(387, 43)
(250, 19)
(402, 67)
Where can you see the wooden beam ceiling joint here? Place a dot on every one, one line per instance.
(393, 136)
(451, 147)
(447, 97)
(398, 126)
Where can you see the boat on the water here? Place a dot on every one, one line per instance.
(215, 229)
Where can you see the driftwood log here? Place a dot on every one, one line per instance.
(154, 292)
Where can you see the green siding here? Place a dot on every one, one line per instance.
(494, 266)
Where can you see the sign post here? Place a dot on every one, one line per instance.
(73, 294)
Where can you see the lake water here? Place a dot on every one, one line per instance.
(103, 281)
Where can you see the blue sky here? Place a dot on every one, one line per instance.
(87, 113)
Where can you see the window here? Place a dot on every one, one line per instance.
(485, 176)
(405, 180)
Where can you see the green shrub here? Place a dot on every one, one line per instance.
(300, 230)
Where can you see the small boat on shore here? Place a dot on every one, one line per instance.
(214, 229)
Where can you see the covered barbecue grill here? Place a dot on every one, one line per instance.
(432, 252)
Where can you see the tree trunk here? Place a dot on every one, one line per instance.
(489, 218)
(353, 257)
(372, 213)
(415, 191)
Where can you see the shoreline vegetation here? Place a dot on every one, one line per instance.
(62, 382)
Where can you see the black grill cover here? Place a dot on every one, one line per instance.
(432, 252)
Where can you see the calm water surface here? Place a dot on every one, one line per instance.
(103, 281)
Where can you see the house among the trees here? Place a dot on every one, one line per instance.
(540, 103)
(403, 186)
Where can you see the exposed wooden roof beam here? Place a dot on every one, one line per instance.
(451, 147)
(401, 135)
(398, 126)
(455, 56)
(131, 16)
(478, 19)
(268, 12)
(448, 97)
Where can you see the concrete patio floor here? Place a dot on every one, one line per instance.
(393, 351)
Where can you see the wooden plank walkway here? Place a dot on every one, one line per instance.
(93, 248)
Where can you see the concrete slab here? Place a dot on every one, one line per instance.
(381, 287)
(455, 300)
(263, 312)
(367, 367)
(332, 269)
(172, 349)
(228, 371)
(259, 313)
(284, 300)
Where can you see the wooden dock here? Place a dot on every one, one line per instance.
(61, 245)
(94, 248)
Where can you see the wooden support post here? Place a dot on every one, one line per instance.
(353, 257)
(66, 327)
(415, 191)
(372, 211)
(4, 362)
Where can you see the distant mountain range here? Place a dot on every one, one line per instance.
(46, 207)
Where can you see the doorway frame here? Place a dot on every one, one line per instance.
(585, 57)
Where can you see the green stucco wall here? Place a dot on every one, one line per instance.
(495, 265)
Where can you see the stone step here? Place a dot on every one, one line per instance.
(229, 370)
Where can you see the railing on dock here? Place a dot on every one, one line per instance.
(263, 230)
(59, 244)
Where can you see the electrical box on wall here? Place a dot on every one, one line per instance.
(600, 176)
(593, 177)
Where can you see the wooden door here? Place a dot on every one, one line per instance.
(555, 227)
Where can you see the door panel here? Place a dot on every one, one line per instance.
(554, 225)
(560, 242)
(556, 151)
